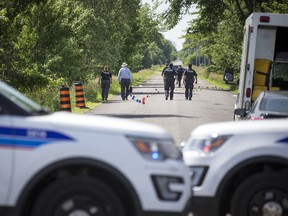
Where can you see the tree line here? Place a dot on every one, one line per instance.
(53, 42)
(217, 32)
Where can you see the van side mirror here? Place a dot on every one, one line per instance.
(228, 75)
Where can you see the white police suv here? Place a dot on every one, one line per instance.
(239, 168)
(64, 164)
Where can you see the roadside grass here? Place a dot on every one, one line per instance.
(214, 79)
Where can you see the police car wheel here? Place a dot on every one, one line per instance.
(262, 194)
(78, 196)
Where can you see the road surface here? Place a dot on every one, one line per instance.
(178, 116)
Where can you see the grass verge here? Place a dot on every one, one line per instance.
(215, 79)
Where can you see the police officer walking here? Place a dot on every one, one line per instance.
(166, 66)
(169, 81)
(124, 79)
(106, 79)
(190, 76)
(180, 72)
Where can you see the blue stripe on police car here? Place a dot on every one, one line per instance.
(29, 137)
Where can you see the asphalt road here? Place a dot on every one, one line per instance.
(178, 116)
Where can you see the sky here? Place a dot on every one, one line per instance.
(174, 35)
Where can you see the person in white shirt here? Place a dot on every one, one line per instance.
(124, 79)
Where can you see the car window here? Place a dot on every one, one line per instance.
(3, 109)
(17, 98)
(275, 104)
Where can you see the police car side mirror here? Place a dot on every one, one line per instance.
(240, 112)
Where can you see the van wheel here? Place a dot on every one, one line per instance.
(262, 194)
(78, 196)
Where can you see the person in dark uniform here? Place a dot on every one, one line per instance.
(166, 66)
(189, 78)
(169, 81)
(106, 80)
(180, 72)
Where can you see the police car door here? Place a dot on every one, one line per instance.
(6, 150)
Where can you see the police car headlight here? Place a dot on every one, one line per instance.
(206, 146)
(156, 149)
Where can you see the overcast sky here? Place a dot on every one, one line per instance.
(174, 35)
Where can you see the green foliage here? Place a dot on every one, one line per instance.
(151, 45)
(92, 91)
(48, 97)
(42, 42)
(276, 6)
(227, 47)
(217, 31)
(213, 68)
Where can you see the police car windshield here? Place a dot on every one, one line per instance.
(20, 100)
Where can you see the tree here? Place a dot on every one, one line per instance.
(217, 31)
(45, 42)
(151, 44)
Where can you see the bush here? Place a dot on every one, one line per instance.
(214, 69)
(47, 97)
(92, 91)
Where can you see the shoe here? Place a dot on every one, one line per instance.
(186, 98)
(171, 98)
(190, 98)
(126, 98)
(166, 97)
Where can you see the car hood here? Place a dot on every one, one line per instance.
(230, 128)
(101, 124)
(270, 114)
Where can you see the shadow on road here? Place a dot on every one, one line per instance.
(146, 116)
(153, 93)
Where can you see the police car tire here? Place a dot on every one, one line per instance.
(56, 199)
(249, 197)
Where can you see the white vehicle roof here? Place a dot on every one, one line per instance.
(101, 123)
(275, 19)
(240, 127)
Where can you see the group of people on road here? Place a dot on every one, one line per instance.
(170, 75)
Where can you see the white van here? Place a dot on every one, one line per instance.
(264, 64)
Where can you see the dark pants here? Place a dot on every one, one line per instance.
(179, 80)
(169, 88)
(125, 83)
(189, 90)
(105, 85)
